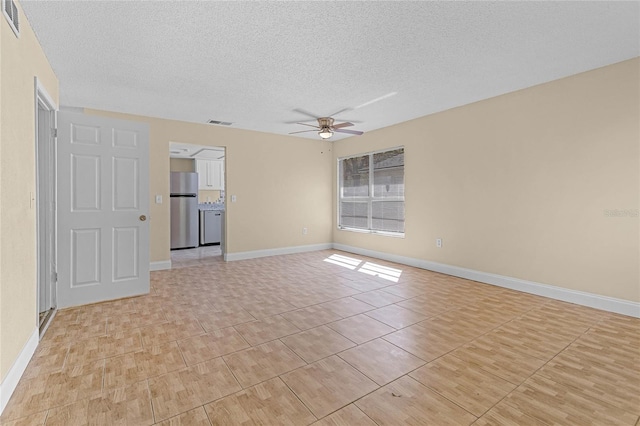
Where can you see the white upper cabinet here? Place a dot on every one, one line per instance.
(201, 169)
(210, 174)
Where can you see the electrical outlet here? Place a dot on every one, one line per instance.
(439, 242)
(304, 231)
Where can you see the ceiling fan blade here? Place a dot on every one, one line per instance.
(302, 131)
(300, 121)
(351, 121)
(313, 117)
(341, 125)
(372, 101)
(340, 112)
(351, 132)
(310, 125)
(303, 112)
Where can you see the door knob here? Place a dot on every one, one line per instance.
(142, 218)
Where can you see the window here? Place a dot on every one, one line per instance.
(371, 192)
(10, 11)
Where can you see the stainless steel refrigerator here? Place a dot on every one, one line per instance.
(184, 210)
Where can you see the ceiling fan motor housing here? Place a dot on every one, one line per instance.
(325, 122)
(326, 128)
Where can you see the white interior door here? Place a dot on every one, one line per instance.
(103, 203)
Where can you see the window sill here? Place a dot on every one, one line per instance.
(367, 231)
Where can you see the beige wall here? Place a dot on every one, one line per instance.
(518, 185)
(282, 184)
(182, 165)
(22, 60)
(206, 196)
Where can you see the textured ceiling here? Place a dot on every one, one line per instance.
(255, 63)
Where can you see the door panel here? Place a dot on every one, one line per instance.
(85, 181)
(88, 135)
(125, 138)
(125, 253)
(125, 184)
(85, 257)
(103, 192)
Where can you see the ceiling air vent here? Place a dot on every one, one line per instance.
(219, 123)
(10, 11)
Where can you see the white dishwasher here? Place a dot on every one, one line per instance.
(210, 226)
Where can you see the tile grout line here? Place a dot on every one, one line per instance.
(296, 395)
(153, 411)
(539, 368)
(263, 287)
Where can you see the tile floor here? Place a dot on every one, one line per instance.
(329, 338)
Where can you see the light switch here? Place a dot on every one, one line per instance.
(158, 199)
(233, 198)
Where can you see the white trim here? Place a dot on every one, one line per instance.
(371, 152)
(46, 97)
(160, 265)
(369, 199)
(12, 24)
(275, 252)
(619, 306)
(14, 374)
(41, 95)
(48, 323)
(368, 231)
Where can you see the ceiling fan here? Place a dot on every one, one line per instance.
(326, 128)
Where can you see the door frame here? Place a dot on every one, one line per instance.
(46, 220)
(200, 146)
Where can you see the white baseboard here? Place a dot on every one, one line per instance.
(276, 251)
(619, 306)
(160, 265)
(14, 374)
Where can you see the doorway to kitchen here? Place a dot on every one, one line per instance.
(205, 166)
(199, 256)
(45, 204)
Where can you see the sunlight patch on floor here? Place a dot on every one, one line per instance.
(384, 272)
(369, 268)
(344, 261)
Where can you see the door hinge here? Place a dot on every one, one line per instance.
(55, 277)
(54, 133)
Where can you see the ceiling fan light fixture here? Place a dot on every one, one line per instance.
(325, 133)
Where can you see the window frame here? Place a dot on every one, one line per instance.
(370, 199)
(14, 19)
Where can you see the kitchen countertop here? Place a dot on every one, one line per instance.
(217, 207)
